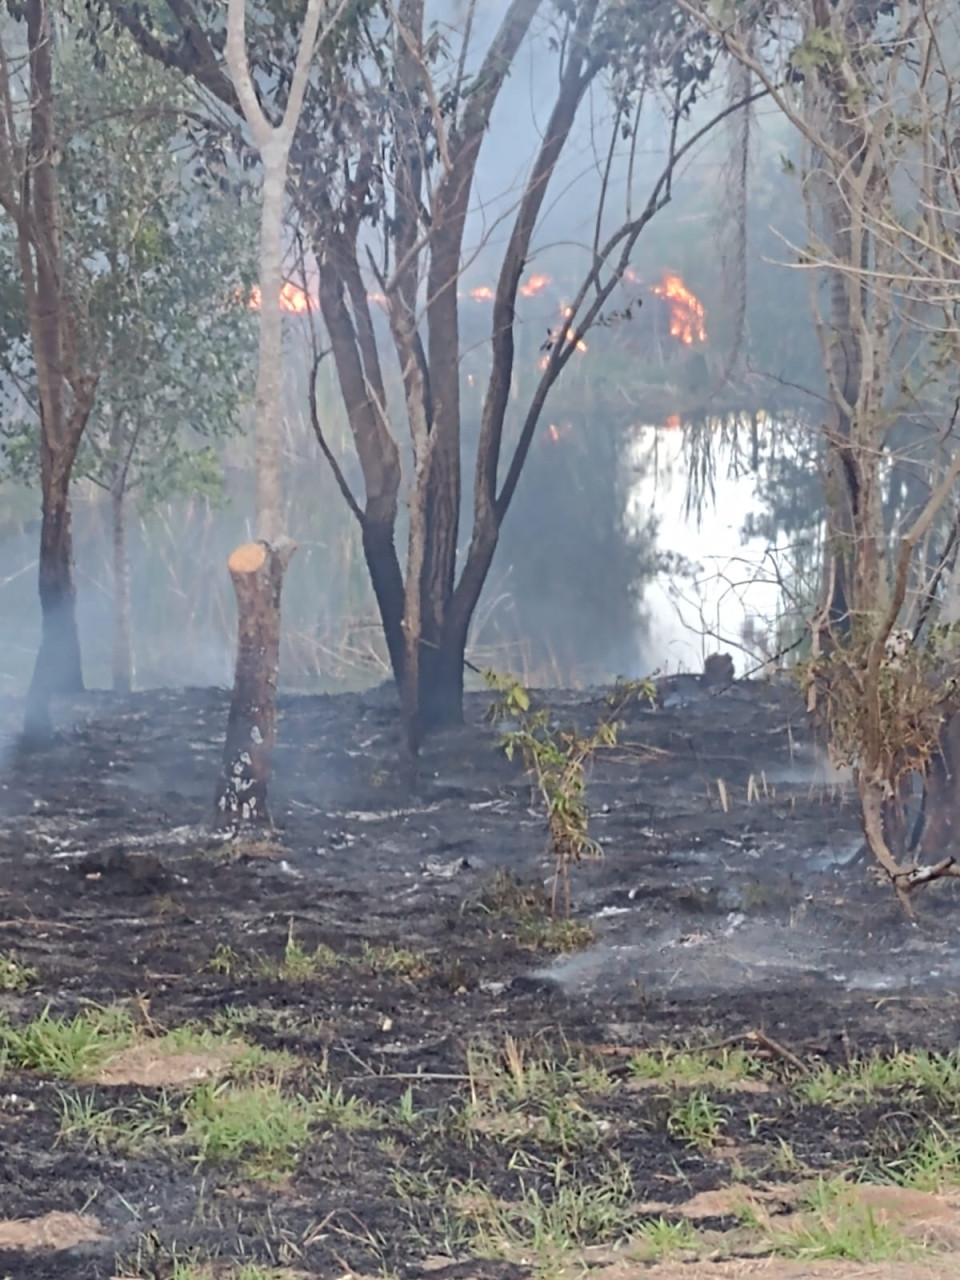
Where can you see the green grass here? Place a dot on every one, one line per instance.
(834, 1226)
(696, 1120)
(299, 963)
(179, 1268)
(245, 1059)
(344, 1111)
(573, 1214)
(914, 1074)
(70, 1048)
(15, 976)
(725, 1067)
(527, 908)
(388, 959)
(245, 1271)
(523, 1092)
(931, 1162)
(523, 1072)
(559, 937)
(663, 1239)
(254, 1126)
(251, 1123)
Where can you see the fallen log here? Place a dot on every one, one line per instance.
(257, 570)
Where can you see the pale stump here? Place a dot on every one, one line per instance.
(257, 570)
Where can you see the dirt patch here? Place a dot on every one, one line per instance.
(144, 1065)
(54, 1230)
(946, 1267)
(723, 1202)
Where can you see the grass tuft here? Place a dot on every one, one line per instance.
(15, 976)
(70, 1048)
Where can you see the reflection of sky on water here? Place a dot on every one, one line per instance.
(733, 582)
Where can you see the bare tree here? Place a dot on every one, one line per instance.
(66, 386)
(871, 89)
(383, 177)
(257, 568)
(389, 230)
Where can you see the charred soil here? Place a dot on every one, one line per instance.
(359, 1045)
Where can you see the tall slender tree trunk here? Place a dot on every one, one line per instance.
(65, 394)
(122, 654)
(58, 667)
(257, 568)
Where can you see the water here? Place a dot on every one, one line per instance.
(735, 588)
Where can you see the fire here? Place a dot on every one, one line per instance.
(292, 299)
(557, 433)
(686, 309)
(673, 422)
(529, 289)
(533, 286)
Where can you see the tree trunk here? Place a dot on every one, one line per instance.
(257, 570)
(58, 666)
(268, 408)
(441, 682)
(940, 831)
(122, 657)
(380, 555)
(442, 666)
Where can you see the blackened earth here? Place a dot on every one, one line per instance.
(728, 900)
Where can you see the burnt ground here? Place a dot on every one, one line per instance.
(388, 955)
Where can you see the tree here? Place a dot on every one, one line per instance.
(257, 569)
(869, 85)
(172, 344)
(382, 177)
(66, 380)
(410, 160)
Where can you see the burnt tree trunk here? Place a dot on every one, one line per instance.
(257, 570)
(441, 680)
(380, 556)
(58, 666)
(442, 666)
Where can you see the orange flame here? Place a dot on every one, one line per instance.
(673, 422)
(686, 309)
(292, 299)
(483, 294)
(533, 286)
(557, 433)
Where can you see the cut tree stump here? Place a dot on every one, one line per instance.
(257, 570)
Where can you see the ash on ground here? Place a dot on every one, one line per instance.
(728, 845)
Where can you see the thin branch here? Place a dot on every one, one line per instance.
(335, 467)
(624, 238)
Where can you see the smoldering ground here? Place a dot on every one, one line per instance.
(382, 940)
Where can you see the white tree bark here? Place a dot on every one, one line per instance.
(274, 145)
